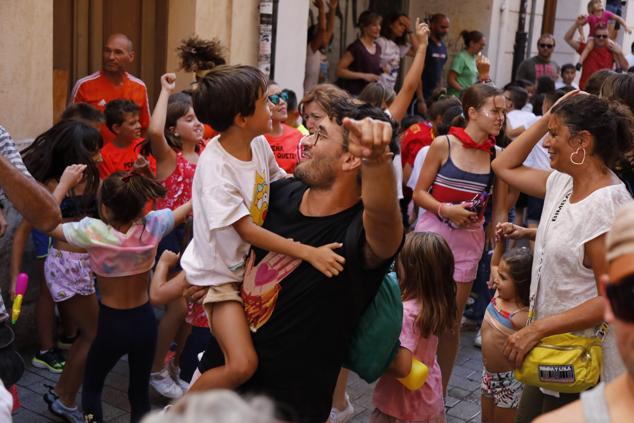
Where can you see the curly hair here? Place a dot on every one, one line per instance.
(197, 55)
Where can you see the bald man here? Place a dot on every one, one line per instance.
(113, 82)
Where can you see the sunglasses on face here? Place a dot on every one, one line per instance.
(621, 297)
(601, 36)
(541, 45)
(275, 99)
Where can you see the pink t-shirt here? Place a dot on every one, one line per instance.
(394, 399)
(113, 253)
(597, 21)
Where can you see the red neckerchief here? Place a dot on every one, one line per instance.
(468, 142)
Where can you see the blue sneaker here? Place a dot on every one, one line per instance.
(71, 415)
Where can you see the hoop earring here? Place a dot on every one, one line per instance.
(583, 158)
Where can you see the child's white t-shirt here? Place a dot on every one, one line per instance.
(225, 190)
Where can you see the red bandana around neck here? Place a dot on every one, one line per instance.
(468, 142)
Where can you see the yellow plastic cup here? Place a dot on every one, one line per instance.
(416, 377)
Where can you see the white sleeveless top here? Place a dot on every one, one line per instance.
(563, 230)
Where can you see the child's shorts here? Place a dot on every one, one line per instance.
(220, 293)
(502, 387)
(68, 274)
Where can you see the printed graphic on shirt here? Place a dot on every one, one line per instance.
(261, 286)
(260, 202)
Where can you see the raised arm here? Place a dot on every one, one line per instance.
(618, 55)
(621, 21)
(399, 106)
(569, 36)
(330, 23)
(161, 150)
(370, 139)
(317, 42)
(509, 167)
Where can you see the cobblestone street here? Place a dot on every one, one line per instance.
(463, 401)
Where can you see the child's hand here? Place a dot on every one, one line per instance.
(142, 166)
(326, 260)
(493, 274)
(508, 230)
(72, 176)
(168, 82)
(169, 258)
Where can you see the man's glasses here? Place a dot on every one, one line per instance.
(601, 36)
(275, 99)
(621, 297)
(542, 45)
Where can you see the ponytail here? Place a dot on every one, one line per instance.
(470, 37)
(125, 194)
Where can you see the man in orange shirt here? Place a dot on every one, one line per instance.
(122, 118)
(113, 82)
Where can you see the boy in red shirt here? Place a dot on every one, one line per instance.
(122, 118)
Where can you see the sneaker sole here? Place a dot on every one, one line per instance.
(44, 365)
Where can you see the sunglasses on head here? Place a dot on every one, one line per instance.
(276, 98)
(621, 297)
(601, 36)
(542, 45)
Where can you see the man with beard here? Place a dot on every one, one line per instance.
(613, 402)
(302, 321)
(540, 65)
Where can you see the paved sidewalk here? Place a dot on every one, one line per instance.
(463, 401)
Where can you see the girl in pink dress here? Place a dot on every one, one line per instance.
(425, 268)
(176, 140)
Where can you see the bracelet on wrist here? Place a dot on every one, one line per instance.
(438, 212)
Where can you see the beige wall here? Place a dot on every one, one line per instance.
(234, 22)
(26, 78)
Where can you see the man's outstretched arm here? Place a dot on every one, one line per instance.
(370, 139)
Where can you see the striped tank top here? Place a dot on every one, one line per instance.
(454, 185)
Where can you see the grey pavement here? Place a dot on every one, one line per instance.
(462, 403)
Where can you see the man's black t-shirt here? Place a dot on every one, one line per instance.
(435, 60)
(303, 321)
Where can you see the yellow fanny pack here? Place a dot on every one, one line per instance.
(564, 363)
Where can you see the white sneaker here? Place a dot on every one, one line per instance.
(165, 385)
(183, 385)
(174, 372)
(341, 416)
(478, 339)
